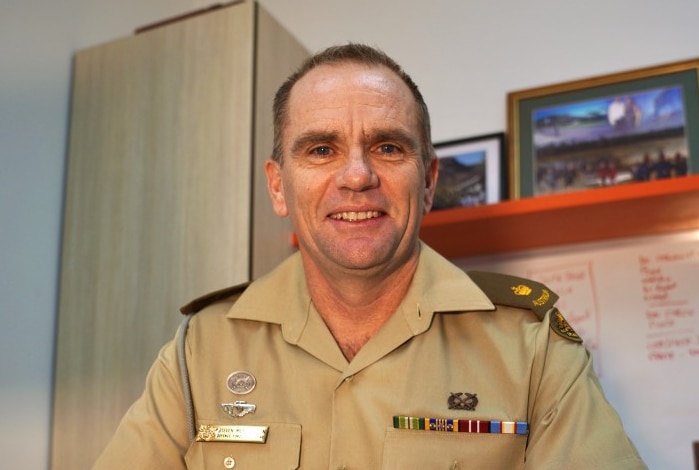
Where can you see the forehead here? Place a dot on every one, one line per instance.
(350, 87)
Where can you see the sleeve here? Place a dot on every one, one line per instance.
(572, 425)
(153, 432)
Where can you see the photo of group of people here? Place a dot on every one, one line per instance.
(611, 140)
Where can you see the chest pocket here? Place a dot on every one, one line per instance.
(281, 451)
(429, 450)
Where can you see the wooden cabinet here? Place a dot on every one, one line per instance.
(165, 201)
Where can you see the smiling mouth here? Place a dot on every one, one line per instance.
(355, 216)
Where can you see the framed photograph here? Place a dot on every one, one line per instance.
(615, 129)
(471, 171)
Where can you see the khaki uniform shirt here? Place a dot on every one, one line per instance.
(446, 348)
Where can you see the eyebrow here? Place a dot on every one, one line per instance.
(311, 138)
(406, 139)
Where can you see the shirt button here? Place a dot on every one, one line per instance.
(349, 378)
(229, 462)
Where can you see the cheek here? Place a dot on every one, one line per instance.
(407, 182)
(298, 196)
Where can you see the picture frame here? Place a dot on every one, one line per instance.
(471, 171)
(613, 129)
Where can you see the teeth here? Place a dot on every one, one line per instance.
(354, 216)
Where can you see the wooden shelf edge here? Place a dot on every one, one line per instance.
(621, 211)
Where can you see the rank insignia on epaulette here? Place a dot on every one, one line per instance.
(521, 289)
(561, 326)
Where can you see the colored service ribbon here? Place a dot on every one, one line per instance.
(461, 425)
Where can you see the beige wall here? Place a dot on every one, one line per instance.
(464, 55)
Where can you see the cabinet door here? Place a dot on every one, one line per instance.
(278, 55)
(158, 203)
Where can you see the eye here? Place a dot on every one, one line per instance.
(388, 149)
(389, 152)
(321, 151)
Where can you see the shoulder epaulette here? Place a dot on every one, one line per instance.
(200, 302)
(514, 291)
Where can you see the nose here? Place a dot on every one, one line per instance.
(357, 173)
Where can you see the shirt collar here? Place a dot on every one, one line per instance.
(439, 287)
(282, 296)
(279, 297)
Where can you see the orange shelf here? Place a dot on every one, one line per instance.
(599, 214)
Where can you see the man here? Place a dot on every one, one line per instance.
(366, 349)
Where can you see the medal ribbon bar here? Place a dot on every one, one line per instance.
(461, 425)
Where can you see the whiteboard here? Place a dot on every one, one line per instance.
(635, 302)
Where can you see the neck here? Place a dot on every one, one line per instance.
(354, 308)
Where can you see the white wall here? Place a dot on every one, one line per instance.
(465, 55)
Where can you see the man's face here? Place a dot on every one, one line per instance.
(353, 179)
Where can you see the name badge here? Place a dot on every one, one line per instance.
(214, 433)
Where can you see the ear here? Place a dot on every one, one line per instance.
(275, 186)
(431, 174)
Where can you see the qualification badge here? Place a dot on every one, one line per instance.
(241, 382)
(238, 409)
(462, 401)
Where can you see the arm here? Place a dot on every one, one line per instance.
(153, 433)
(572, 425)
